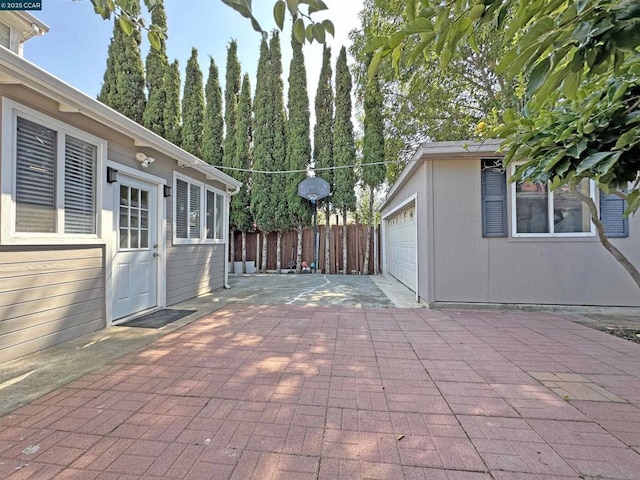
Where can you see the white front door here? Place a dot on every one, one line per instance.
(135, 263)
(401, 246)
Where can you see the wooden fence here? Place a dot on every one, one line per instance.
(356, 243)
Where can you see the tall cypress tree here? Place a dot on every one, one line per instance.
(171, 113)
(261, 204)
(231, 92)
(372, 152)
(241, 218)
(123, 85)
(279, 153)
(193, 107)
(268, 205)
(156, 67)
(213, 124)
(298, 143)
(344, 151)
(323, 138)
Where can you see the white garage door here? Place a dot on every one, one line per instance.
(401, 246)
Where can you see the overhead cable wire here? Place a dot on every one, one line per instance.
(318, 169)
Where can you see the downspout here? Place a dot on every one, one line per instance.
(226, 243)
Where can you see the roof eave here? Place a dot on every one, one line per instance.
(73, 100)
(439, 149)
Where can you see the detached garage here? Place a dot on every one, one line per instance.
(456, 232)
(401, 244)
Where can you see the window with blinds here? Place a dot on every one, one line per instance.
(182, 208)
(55, 181)
(194, 211)
(199, 212)
(219, 216)
(79, 186)
(211, 214)
(36, 148)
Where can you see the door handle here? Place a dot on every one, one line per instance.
(156, 254)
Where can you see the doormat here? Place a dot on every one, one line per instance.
(157, 319)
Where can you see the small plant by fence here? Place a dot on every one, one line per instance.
(356, 245)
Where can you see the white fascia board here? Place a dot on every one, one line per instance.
(29, 19)
(456, 149)
(34, 77)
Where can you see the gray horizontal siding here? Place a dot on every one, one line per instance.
(469, 268)
(193, 270)
(48, 297)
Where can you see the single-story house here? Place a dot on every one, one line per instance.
(100, 218)
(455, 231)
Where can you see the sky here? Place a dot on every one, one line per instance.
(75, 49)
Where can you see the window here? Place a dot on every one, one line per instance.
(190, 226)
(612, 209)
(134, 218)
(494, 198)
(50, 184)
(5, 35)
(540, 212)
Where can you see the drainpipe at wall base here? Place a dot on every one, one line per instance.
(226, 243)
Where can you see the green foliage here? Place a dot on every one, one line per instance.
(422, 102)
(305, 29)
(231, 92)
(268, 205)
(241, 218)
(193, 107)
(298, 136)
(127, 12)
(373, 143)
(283, 219)
(171, 113)
(156, 66)
(213, 126)
(123, 85)
(308, 29)
(577, 61)
(596, 136)
(344, 150)
(323, 131)
(262, 141)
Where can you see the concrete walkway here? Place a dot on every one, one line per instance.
(301, 392)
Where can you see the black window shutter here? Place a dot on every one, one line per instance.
(494, 199)
(612, 210)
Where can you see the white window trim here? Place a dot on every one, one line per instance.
(8, 236)
(204, 188)
(514, 215)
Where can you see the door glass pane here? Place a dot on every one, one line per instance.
(570, 214)
(134, 220)
(532, 207)
(124, 195)
(124, 217)
(124, 238)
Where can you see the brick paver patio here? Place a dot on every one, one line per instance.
(299, 393)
